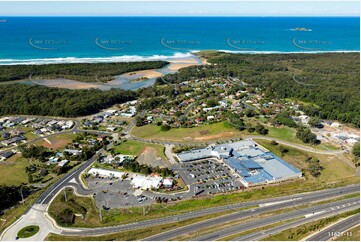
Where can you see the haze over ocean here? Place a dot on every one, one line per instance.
(93, 39)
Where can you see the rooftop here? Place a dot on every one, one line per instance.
(245, 157)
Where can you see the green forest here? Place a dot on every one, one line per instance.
(40, 100)
(329, 81)
(86, 72)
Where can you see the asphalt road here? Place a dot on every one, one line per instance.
(49, 193)
(297, 200)
(323, 194)
(257, 236)
(349, 204)
(336, 229)
(297, 146)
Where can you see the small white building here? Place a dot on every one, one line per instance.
(63, 163)
(336, 125)
(211, 117)
(106, 173)
(223, 103)
(146, 182)
(73, 152)
(168, 182)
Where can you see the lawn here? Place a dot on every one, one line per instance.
(213, 132)
(216, 131)
(133, 147)
(28, 231)
(13, 171)
(284, 133)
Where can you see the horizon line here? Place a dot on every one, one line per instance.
(273, 16)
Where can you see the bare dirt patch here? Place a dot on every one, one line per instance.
(55, 144)
(149, 156)
(145, 73)
(216, 136)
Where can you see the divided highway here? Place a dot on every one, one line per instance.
(337, 229)
(313, 212)
(265, 206)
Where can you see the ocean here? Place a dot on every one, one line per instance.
(39, 40)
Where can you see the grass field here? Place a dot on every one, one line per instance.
(13, 171)
(284, 133)
(216, 131)
(133, 147)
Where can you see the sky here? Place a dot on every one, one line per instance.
(179, 8)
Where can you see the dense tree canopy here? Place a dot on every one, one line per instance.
(87, 72)
(11, 195)
(40, 100)
(356, 149)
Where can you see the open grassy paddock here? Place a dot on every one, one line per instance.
(204, 133)
(133, 147)
(216, 132)
(13, 171)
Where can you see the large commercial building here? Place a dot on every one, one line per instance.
(253, 164)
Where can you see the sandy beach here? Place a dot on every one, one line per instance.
(145, 73)
(66, 83)
(124, 80)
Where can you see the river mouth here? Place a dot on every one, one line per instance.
(127, 81)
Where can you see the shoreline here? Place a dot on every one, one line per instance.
(128, 81)
(176, 58)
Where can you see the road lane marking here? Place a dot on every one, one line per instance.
(313, 214)
(279, 202)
